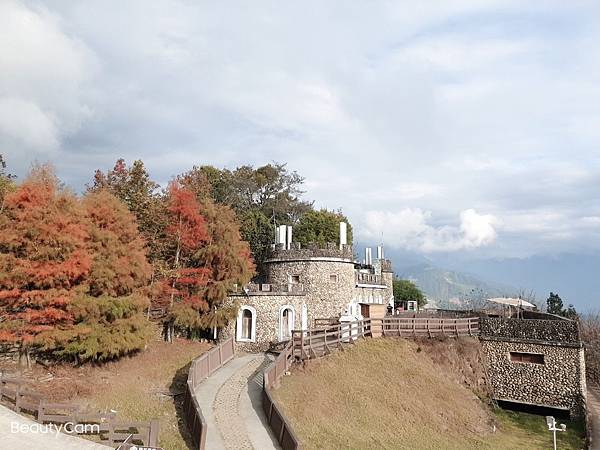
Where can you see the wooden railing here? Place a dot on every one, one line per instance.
(200, 369)
(322, 340)
(16, 395)
(279, 424)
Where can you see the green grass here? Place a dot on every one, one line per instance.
(519, 427)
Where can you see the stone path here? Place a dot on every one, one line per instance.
(28, 439)
(593, 404)
(232, 406)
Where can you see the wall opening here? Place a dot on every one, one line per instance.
(246, 324)
(287, 318)
(531, 358)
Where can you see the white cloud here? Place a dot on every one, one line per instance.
(411, 229)
(24, 124)
(422, 111)
(43, 72)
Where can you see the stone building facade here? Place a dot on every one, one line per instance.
(304, 284)
(536, 361)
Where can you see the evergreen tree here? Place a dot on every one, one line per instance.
(554, 304)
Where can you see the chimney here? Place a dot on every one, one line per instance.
(343, 234)
(368, 256)
(380, 252)
(289, 237)
(282, 233)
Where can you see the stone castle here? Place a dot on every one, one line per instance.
(304, 284)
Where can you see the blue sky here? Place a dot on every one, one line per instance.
(465, 128)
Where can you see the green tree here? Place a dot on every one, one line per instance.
(321, 227)
(406, 290)
(554, 304)
(261, 198)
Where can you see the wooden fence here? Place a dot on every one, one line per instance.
(322, 340)
(200, 369)
(16, 395)
(279, 424)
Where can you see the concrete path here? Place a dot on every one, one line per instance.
(230, 400)
(29, 436)
(593, 404)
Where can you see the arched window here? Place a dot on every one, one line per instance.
(246, 324)
(287, 317)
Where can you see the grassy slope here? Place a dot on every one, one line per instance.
(388, 394)
(137, 386)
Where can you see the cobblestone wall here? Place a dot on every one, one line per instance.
(328, 280)
(558, 331)
(559, 382)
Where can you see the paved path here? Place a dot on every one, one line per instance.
(231, 403)
(593, 404)
(24, 440)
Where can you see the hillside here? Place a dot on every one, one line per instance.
(394, 393)
(451, 289)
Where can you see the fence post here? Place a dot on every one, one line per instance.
(18, 398)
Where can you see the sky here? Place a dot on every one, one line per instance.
(465, 129)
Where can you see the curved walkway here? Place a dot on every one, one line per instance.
(231, 402)
(26, 438)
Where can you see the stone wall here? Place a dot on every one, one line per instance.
(312, 251)
(558, 383)
(267, 318)
(324, 297)
(564, 332)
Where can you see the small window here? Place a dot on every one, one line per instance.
(531, 358)
(333, 278)
(295, 279)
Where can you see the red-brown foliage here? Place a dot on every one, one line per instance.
(43, 257)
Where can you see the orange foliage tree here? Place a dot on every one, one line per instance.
(72, 272)
(226, 257)
(187, 233)
(44, 259)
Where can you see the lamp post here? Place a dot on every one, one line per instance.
(552, 427)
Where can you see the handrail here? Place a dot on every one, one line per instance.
(200, 369)
(276, 419)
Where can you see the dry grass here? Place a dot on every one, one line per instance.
(389, 393)
(150, 386)
(141, 387)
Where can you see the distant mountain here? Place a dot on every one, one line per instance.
(452, 289)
